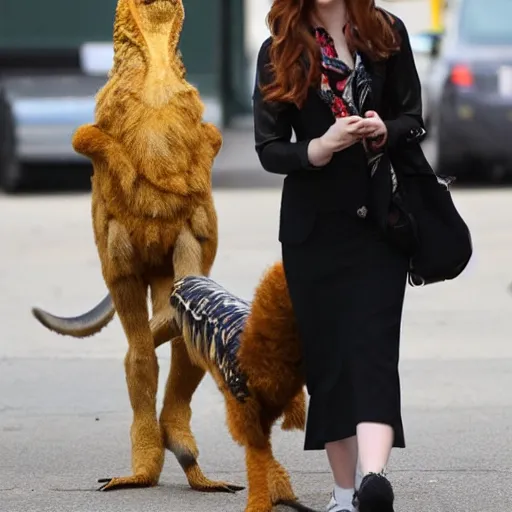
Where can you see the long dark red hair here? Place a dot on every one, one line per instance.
(289, 21)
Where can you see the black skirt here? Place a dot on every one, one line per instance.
(347, 286)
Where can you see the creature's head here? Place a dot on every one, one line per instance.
(138, 20)
(155, 15)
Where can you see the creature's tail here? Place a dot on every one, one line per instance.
(80, 326)
(187, 261)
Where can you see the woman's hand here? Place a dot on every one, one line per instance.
(374, 129)
(345, 132)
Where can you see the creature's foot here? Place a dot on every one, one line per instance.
(295, 505)
(186, 453)
(254, 506)
(280, 487)
(281, 491)
(267, 507)
(199, 482)
(127, 482)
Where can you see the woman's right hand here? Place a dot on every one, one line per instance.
(345, 132)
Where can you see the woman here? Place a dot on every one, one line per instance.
(341, 74)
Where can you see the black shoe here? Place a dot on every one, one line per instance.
(375, 494)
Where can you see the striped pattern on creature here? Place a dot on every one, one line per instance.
(214, 320)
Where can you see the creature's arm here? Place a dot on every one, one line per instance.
(215, 137)
(272, 127)
(105, 153)
(403, 92)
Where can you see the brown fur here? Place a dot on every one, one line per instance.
(270, 356)
(151, 193)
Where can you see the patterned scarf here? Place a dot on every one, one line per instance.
(348, 92)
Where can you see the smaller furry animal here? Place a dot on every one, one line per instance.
(253, 353)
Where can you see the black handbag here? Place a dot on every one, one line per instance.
(425, 223)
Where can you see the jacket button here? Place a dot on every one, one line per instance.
(362, 212)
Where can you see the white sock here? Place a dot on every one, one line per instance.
(343, 497)
(359, 477)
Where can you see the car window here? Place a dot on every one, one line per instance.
(486, 22)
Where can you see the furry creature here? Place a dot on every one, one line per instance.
(154, 220)
(253, 353)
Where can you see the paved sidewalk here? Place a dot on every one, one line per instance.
(64, 411)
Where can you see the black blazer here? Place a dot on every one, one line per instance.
(342, 184)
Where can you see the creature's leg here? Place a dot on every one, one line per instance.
(214, 135)
(204, 227)
(187, 260)
(295, 412)
(281, 491)
(162, 325)
(250, 430)
(194, 253)
(259, 463)
(184, 378)
(141, 366)
(269, 482)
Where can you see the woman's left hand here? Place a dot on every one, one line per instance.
(375, 129)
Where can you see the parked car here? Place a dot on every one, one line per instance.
(51, 66)
(425, 47)
(38, 115)
(468, 89)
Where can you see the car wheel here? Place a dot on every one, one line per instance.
(10, 169)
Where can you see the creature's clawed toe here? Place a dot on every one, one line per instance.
(212, 486)
(235, 488)
(198, 481)
(127, 482)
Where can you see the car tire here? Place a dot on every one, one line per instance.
(10, 170)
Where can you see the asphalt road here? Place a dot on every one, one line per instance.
(64, 411)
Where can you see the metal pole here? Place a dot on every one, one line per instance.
(436, 13)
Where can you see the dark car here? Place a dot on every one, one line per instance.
(469, 90)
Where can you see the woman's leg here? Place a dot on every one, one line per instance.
(342, 456)
(374, 442)
(350, 342)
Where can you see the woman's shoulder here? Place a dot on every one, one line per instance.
(396, 22)
(263, 53)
